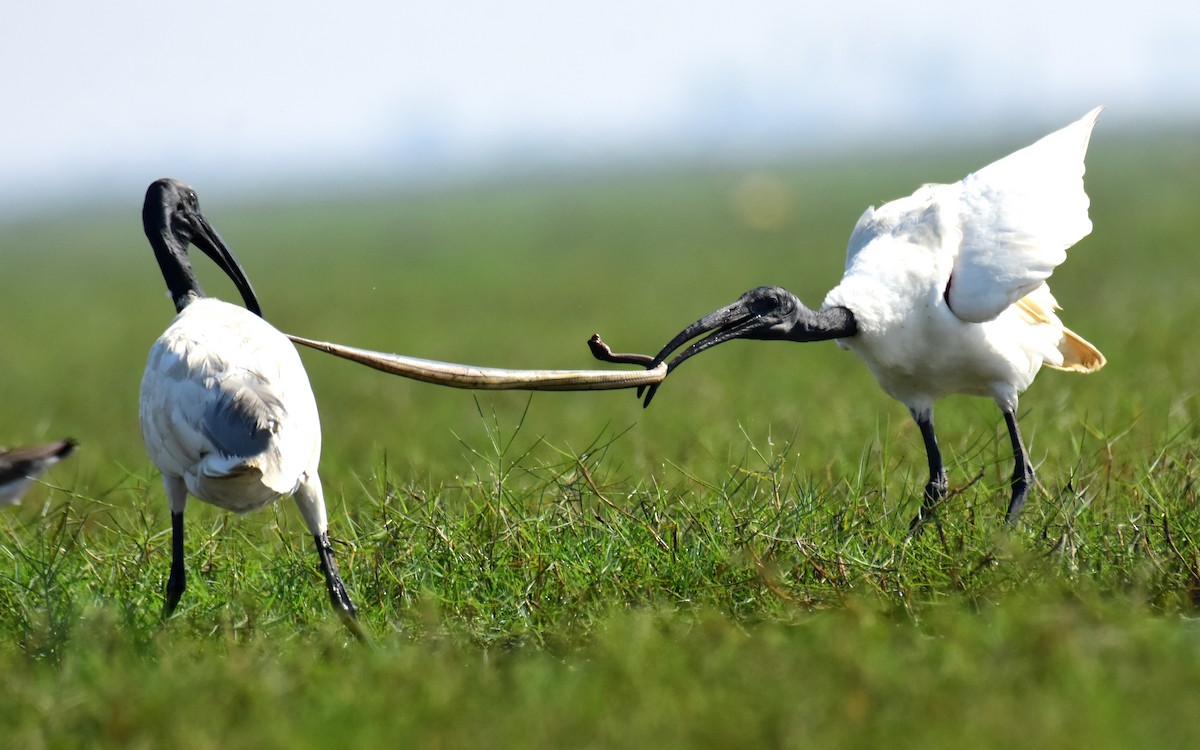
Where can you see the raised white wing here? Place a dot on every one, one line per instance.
(1001, 230)
(1017, 217)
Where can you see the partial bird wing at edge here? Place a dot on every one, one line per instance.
(1017, 217)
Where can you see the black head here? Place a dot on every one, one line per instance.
(763, 313)
(172, 220)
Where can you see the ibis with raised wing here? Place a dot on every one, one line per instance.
(944, 292)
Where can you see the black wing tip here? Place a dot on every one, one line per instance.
(66, 447)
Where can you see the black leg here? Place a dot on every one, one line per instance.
(1022, 479)
(936, 489)
(337, 590)
(178, 579)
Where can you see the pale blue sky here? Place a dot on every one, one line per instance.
(108, 96)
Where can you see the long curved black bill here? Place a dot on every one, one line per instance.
(207, 239)
(763, 313)
(728, 323)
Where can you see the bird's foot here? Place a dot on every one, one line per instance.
(338, 596)
(176, 584)
(346, 611)
(1021, 484)
(935, 493)
(349, 618)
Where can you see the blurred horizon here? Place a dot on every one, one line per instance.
(291, 96)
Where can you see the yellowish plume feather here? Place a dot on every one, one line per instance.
(1079, 355)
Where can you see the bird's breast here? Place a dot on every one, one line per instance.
(928, 352)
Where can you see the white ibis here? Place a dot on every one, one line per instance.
(945, 292)
(227, 411)
(20, 466)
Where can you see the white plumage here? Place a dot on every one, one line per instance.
(227, 407)
(945, 292)
(948, 286)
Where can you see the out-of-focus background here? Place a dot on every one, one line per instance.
(101, 99)
(492, 182)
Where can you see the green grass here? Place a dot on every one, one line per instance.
(727, 568)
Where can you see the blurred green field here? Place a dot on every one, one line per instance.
(726, 568)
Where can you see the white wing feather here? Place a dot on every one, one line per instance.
(1017, 217)
(1001, 231)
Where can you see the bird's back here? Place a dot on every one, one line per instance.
(226, 404)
